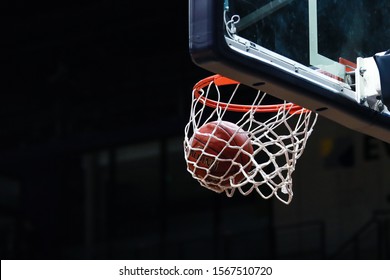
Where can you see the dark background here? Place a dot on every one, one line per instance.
(82, 82)
(94, 97)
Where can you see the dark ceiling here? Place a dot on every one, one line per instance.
(91, 74)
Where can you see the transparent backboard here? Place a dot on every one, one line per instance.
(326, 55)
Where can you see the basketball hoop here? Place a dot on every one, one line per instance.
(278, 134)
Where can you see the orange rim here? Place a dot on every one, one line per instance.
(222, 81)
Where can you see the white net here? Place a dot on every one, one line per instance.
(231, 147)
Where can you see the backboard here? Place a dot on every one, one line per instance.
(326, 55)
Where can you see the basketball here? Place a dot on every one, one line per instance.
(216, 153)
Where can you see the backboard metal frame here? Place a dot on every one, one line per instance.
(255, 66)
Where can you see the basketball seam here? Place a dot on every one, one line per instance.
(231, 141)
(217, 153)
(209, 147)
(241, 159)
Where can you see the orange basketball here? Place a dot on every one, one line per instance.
(216, 153)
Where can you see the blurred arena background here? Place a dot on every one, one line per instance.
(94, 96)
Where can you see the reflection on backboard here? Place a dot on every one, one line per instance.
(328, 56)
